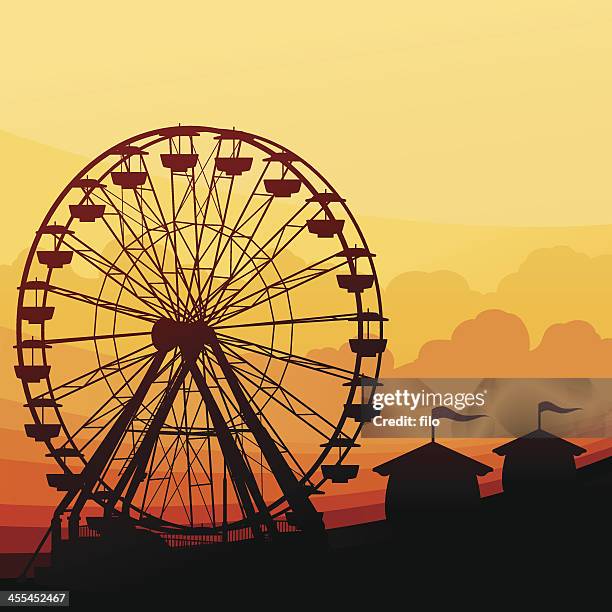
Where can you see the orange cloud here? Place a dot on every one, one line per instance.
(552, 284)
(496, 344)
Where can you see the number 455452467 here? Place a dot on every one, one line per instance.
(33, 598)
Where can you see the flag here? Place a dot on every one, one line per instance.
(443, 412)
(550, 407)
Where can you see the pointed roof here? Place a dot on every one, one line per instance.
(539, 437)
(433, 454)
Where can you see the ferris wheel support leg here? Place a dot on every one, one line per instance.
(307, 517)
(135, 471)
(242, 477)
(99, 460)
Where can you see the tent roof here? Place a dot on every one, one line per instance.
(432, 454)
(539, 438)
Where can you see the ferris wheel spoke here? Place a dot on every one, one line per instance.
(171, 232)
(202, 210)
(159, 211)
(186, 243)
(97, 374)
(332, 318)
(232, 409)
(74, 386)
(102, 412)
(208, 283)
(232, 412)
(182, 202)
(231, 232)
(145, 413)
(183, 428)
(143, 222)
(208, 472)
(246, 486)
(229, 405)
(209, 459)
(205, 286)
(262, 212)
(131, 427)
(240, 440)
(295, 494)
(261, 414)
(132, 432)
(208, 477)
(179, 271)
(250, 459)
(193, 482)
(297, 470)
(195, 276)
(189, 474)
(240, 272)
(221, 229)
(111, 270)
(158, 268)
(238, 225)
(96, 338)
(291, 358)
(266, 293)
(150, 252)
(165, 462)
(100, 457)
(119, 204)
(285, 284)
(104, 304)
(134, 472)
(170, 479)
(257, 373)
(141, 218)
(211, 194)
(287, 405)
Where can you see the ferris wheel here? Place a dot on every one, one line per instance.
(171, 323)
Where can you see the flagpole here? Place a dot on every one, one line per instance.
(539, 418)
(433, 430)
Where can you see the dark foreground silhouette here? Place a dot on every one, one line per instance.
(504, 545)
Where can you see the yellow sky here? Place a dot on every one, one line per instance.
(463, 112)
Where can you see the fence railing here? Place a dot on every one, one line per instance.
(87, 533)
(179, 540)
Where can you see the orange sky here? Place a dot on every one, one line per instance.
(472, 140)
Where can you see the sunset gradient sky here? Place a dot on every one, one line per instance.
(472, 139)
(465, 112)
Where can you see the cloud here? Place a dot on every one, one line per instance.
(426, 305)
(559, 284)
(497, 344)
(552, 285)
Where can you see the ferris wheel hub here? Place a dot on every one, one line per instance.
(168, 334)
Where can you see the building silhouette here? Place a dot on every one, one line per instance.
(538, 465)
(431, 477)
